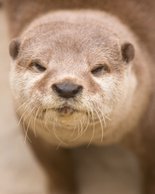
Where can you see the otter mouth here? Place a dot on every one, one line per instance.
(65, 110)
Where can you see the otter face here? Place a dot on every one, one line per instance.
(72, 77)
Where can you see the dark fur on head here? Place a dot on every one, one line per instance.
(128, 52)
(14, 48)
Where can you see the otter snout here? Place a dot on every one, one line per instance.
(67, 89)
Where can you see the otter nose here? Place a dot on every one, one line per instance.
(67, 89)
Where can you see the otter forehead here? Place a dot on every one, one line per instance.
(66, 37)
(70, 48)
(85, 37)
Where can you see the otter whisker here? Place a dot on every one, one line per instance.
(85, 124)
(58, 138)
(74, 129)
(101, 124)
(105, 117)
(24, 127)
(81, 125)
(55, 134)
(34, 121)
(21, 105)
(101, 115)
(83, 131)
(93, 132)
(29, 122)
(45, 122)
(23, 114)
(26, 111)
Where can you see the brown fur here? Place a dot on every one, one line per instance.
(139, 16)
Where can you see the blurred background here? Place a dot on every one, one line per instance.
(108, 170)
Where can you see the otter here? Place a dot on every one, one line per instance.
(72, 82)
(83, 77)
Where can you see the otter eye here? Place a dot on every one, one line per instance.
(37, 67)
(100, 69)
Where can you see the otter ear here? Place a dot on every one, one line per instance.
(14, 48)
(128, 52)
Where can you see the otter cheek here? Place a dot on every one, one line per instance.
(28, 83)
(107, 86)
(106, 97)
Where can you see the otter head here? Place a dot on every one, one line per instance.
(72, 73)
